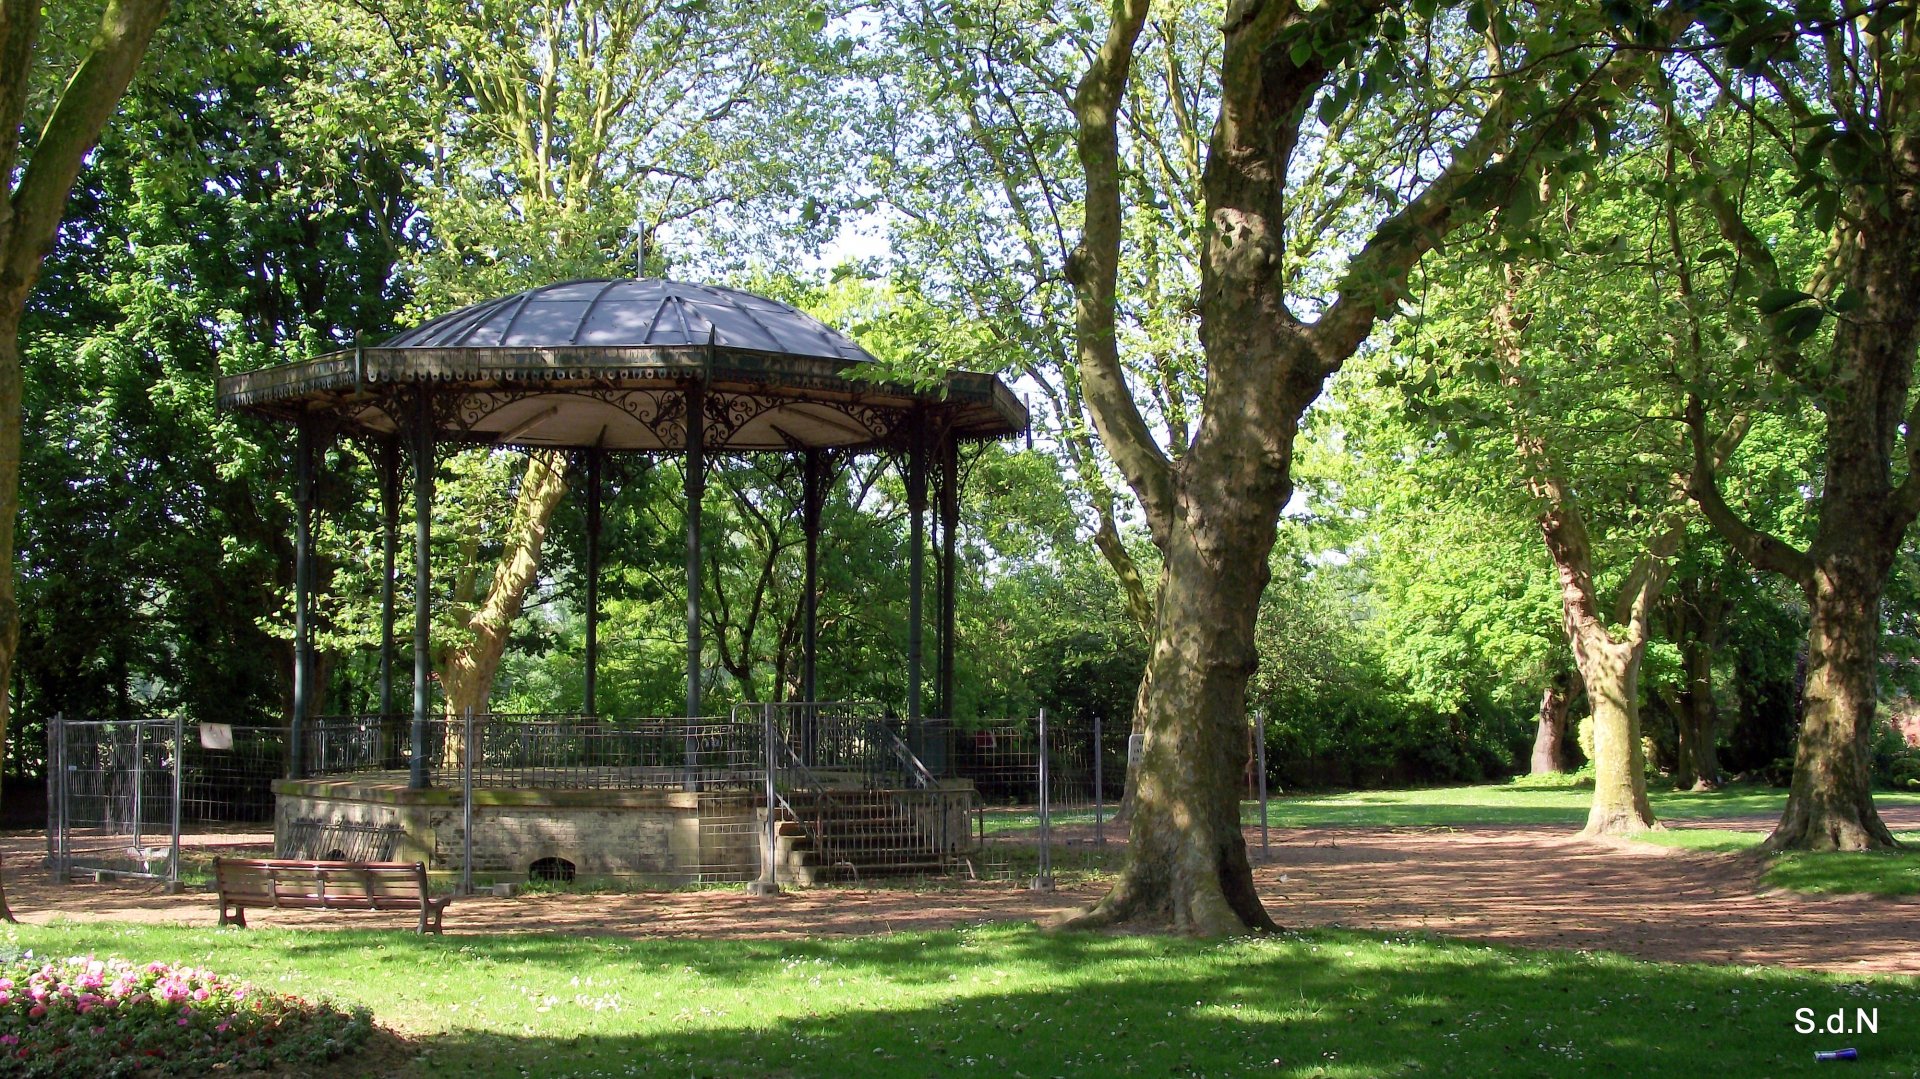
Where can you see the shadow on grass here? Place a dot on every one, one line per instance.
(1319, 1004)
(1007, 1001)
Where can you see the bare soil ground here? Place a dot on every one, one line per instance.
(1525, 886)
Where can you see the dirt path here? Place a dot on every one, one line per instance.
(1525, 886)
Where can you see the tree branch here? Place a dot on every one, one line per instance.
(1763, 550)
(1376, 277)
(1094, 267)
(1904, 505)
(71, 129)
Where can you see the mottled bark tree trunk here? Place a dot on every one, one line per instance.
(1187, 864)
(1830, 805)
(1215, 510)
(1608, 642)
(1611, 670)
(467, 672)
(1863, 517)
(1550, 732)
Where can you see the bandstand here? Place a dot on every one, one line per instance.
(599, 368)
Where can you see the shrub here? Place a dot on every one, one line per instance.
(109, 1017)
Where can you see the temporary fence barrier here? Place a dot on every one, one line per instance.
(115, 789)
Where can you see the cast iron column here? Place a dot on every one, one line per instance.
(593, 577)
(422, 579)
(949, 526)
(390, 545)
(696, 491)
(814, 485)
(302, 593)
(916, 570)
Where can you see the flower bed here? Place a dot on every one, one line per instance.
(107, 1017)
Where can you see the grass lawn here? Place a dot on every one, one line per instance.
(1011, 1001)
(1561, 803)
(1520, 803)
(1517, 802)
(1833, 872)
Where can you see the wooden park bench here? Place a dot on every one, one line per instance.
(290, 883)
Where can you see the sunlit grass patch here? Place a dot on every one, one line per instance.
(1843, 872)
(1521, 802)
(1723, 840)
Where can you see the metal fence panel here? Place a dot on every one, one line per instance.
(119, 797)
(1050, 789)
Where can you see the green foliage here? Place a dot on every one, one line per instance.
(210, 234)
(1764, 641)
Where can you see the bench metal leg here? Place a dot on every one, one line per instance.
(238, 917)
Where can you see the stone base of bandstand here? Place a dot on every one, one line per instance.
(646, 838)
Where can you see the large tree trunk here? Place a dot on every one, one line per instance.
(467, 672)
(1830, 805)
(1187, 859)
(1608, 658)
(1863, 521)
(1612, 674)
(1550, 733)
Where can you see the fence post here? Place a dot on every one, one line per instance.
(179, 785)
(1260, 721)
(466, 803)
(769, 880)
(1099, 789)
(57, 798)
(1043, 880)
(139, 782)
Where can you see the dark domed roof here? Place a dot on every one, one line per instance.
(649, 312)
(617, 365)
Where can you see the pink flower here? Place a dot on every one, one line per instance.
(183, 1020)
(9, 1039)
(199, 994)
(37, 1011)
